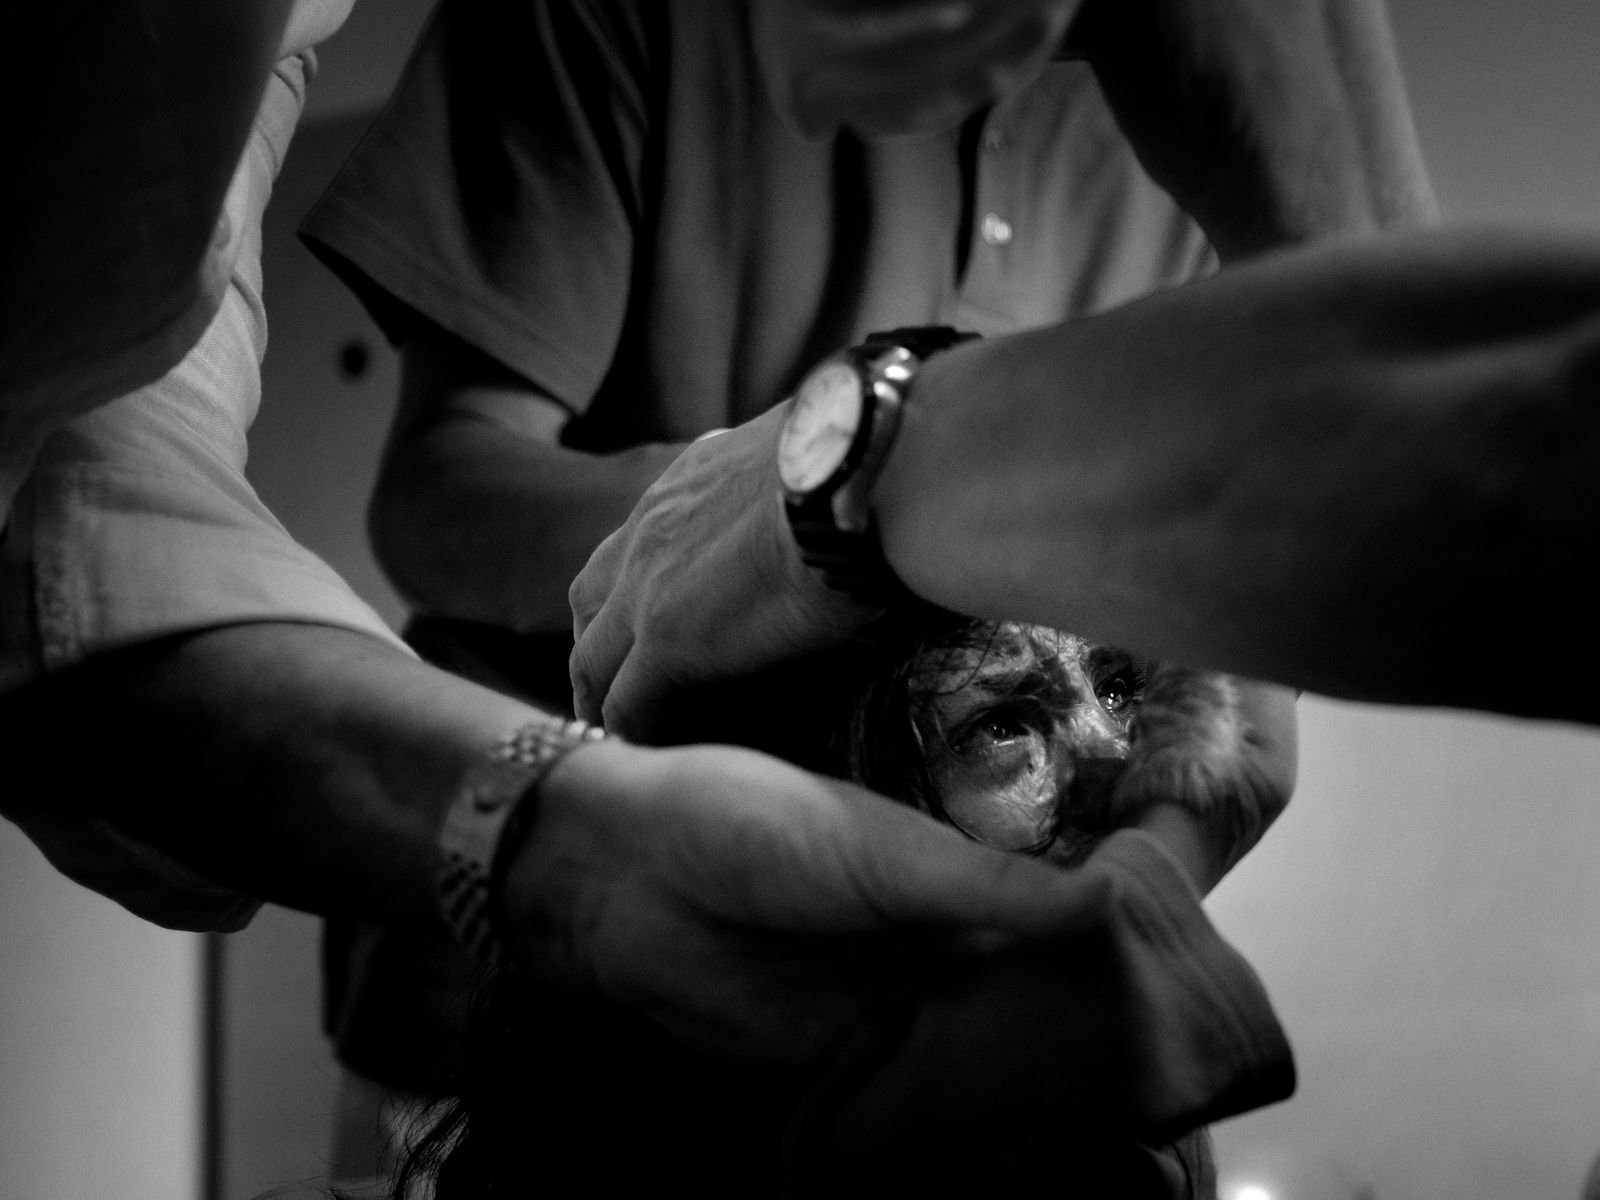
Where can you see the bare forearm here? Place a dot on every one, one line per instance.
(1272, 121)
(306, 765)
(480, 512)
(483, 525)
(1348, 507)
(128, 130)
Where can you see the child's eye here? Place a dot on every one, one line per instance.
(989, 730)
(1116, 694)
(1120, 683)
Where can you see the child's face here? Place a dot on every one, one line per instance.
(1023, 734)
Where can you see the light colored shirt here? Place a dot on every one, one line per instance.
(600, 195)
(113, 262)
(136, 522)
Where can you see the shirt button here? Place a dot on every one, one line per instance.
(996, 229)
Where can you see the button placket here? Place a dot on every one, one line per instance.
(994, 226)
(995, 229)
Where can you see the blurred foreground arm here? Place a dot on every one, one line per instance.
(130, 119)
(1333, 468)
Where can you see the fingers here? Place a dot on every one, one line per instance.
(589, 591)
(602, 636)
(601, 646)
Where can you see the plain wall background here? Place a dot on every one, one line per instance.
(99, 1043)
(1427, 915)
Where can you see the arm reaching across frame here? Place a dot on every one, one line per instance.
(1329, 468)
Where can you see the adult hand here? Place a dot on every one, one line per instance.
(766, 915)
(1270, 121)
(702, 584)
(1140, 1025)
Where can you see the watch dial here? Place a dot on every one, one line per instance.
(821, 425)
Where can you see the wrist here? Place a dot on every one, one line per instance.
(1188, 840)
(486, 822)
(924, 511)
(551, 900)
(839, 430)
(787, 577)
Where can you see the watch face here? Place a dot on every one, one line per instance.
(821, 425)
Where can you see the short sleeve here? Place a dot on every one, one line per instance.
(136, 522)
(499, 194)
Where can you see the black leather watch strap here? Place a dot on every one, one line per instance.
(849, 560)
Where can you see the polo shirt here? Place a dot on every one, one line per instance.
(134, 521)
(599, 195)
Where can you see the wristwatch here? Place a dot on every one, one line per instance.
(841, 422)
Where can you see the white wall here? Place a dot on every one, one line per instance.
(99, 1043)
(1427, 914)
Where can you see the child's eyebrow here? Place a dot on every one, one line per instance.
(1035, 679)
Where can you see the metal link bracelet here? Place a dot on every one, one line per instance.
(484, 824)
